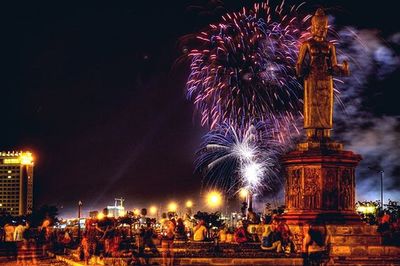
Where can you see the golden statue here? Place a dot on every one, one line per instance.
(317, 64)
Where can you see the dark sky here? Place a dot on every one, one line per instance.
(94, 91)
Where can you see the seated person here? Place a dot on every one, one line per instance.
(222, 234)
(240, 234)
(286, 237)
(265, 232)
(272, 238)
(199, 231)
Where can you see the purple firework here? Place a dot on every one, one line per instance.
(244, 68)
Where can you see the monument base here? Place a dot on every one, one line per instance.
(333, 217)
(352, 241)
(320, 183)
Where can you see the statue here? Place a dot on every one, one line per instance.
(317, 64)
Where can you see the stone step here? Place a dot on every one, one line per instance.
(361, 250)
(367, 261)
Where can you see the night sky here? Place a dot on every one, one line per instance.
(97, 93)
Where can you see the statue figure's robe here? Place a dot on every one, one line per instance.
(318, 83)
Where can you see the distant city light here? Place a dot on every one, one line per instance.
(369, 209)
(26, 158)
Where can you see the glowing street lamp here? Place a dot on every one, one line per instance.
(172, 207)
(79, 218)
(214, 199)
(100, 216)
(153, 210)
(243, 193)
(189, 204)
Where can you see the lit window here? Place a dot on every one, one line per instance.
(9, 171)
(9, 176)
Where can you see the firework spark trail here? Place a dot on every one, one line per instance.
(226, 154)
(243, 68)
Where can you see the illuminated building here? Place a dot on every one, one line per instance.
(118, 209)
(16, 182)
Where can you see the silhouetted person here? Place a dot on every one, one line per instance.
(316, 244)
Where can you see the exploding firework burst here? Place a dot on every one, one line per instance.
(227, 158)
(244, 69)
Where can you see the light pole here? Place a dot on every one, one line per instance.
(382, 172)
(189, 205)
(250, 207)
(79, 219)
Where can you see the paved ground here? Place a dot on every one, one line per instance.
(44, 262)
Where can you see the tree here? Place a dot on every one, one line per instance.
(45, 212)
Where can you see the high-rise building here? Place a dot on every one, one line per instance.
(16, 182)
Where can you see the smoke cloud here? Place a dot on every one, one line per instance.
(372, 135)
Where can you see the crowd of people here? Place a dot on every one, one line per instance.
(26, 243)
(109, 237)
(389, 227)
(159, 237)
(387, 220)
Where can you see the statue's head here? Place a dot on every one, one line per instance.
(319, 24)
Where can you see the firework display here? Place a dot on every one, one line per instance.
(243, 84)
(230, 159)
(243, 68)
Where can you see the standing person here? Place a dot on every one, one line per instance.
(115, 244)
(145, 238)
(9, 232)
(180, 231)
(167, 242)
(89, 243)
(19, 231)
(43, 238)
(108, 236)
(86, 246)
(187, 221)
(66, 241)
(9, 239)
(316, 245)
(199, 231)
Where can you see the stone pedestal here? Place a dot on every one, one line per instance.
(320, 183)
